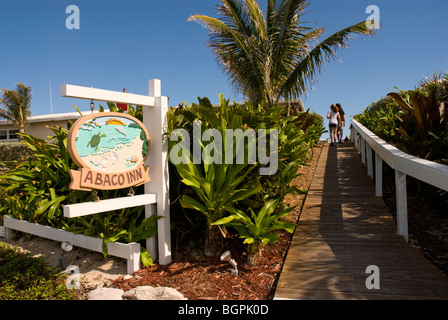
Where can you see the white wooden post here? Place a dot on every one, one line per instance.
(378, 175)
(402, 206)
(158, 172)
(363, 150)
(369, 161)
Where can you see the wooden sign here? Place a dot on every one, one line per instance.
(110, 149)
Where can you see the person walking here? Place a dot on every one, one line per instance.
(335, 118)
(341, 123)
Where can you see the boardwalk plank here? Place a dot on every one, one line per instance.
(342, 230)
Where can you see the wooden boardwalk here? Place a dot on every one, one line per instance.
(342, 230)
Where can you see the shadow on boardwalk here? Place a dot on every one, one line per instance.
(343, 229)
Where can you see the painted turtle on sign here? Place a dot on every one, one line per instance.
(95, 141)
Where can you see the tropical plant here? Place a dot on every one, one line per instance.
(271, 56)
(416, 121)
(218, 186)
(383, 116)
(439, 84)
(422, 117)
(36, 188)
(17, 106)
(258, 228)
(220, 190)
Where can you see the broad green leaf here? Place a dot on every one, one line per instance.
(188, 202)
(224, 220)
(145, 257)
(56, 203)
(267, 209)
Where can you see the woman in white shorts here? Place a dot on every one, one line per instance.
(335, 118)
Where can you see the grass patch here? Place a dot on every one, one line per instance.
(23, 277)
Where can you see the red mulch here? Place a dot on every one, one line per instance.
(210, 279)
(198, 277)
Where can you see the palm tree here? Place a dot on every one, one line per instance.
(17, 106)
(273, 56)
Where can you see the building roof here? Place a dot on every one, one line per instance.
(51, 117)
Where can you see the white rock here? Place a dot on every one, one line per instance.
(153, 293)
(105, 294)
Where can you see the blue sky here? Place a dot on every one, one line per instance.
(124, 43)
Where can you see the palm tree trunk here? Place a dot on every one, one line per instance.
(22, 131)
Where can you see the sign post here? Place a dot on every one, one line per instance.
(155, 120)
(148, 168)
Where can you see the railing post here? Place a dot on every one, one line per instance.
(352, 135)
(378, 175)
(363, 150)
(402, 206)
(369, 161)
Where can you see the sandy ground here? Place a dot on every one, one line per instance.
(95, 270)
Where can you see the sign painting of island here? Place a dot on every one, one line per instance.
(110, 150)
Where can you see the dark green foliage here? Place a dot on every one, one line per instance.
(23, 277)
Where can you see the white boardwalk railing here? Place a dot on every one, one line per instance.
(404, 164)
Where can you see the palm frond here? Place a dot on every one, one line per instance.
(305, 71)
(257, 20)
(6, 115)
(232, 43)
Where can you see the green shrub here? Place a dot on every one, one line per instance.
(13, 151)
(221, 191)
(23, 277)
(382, 116)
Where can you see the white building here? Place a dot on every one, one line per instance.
(37, 125)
